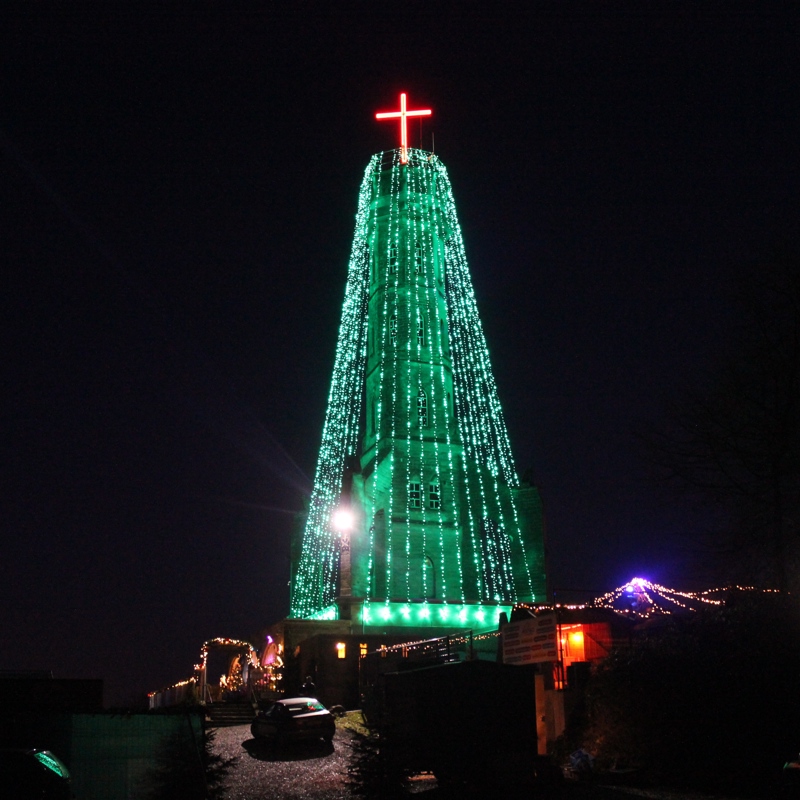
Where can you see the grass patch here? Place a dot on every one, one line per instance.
(353, 721)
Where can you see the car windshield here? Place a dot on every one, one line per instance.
(303, 708)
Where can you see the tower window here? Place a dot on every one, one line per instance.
(393, 259)
(420, 331)
(418, 259)
(422, 408)
(414, 495)
(428, 577)
(393, 328)
(434, 496)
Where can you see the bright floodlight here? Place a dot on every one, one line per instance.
(342, 520)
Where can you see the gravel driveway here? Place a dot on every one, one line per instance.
(317, 772)
(263, 772)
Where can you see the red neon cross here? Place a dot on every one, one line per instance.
(403, 115)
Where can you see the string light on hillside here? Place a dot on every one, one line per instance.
(642, 598)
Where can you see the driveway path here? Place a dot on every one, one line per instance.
(318, 772)
(299, 772)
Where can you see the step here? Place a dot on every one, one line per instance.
(225, 714)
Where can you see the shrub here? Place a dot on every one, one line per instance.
(708, 700)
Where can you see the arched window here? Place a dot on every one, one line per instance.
(422, 408)
(418, 259)
(393, 259)
(428, 578)
(420, 331)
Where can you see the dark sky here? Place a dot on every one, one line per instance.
(177, 200)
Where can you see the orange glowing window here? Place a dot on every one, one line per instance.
(362, 649)
(341, 650)
(572, 644)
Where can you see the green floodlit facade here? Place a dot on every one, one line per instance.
(443, 533)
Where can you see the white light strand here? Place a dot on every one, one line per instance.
(314, 585)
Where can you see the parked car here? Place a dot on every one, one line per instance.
(294, 719)
(33, 773)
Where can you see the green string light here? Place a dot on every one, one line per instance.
(411, 343)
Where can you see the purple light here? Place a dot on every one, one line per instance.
(635, 585)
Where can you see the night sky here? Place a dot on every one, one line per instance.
(177, 200)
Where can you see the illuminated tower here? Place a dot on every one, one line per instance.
(417, 516)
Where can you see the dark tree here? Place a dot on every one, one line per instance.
(375, 770)
(735, 441)
(707, 700)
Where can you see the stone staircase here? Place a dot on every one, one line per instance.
(223, 715)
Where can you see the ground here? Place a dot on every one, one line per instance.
(318, 772)
(304, 771)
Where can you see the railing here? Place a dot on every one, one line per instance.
(182, 693)
(416, 157)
